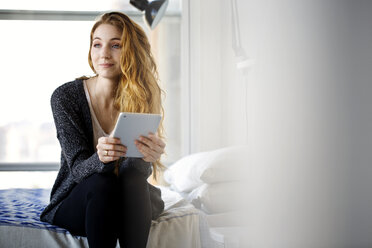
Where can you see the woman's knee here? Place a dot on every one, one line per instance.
(102, 186)
(139, 164)
(132, 179)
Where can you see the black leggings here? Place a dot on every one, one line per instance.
(104, 208)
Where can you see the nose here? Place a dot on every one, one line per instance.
(106, 52)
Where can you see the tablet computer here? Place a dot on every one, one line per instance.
(130, 126)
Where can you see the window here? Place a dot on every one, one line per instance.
(39, 55)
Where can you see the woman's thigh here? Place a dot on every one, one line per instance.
(94, 196)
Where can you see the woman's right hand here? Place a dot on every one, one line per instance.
(110, 149)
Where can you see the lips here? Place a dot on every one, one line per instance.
(106, 65)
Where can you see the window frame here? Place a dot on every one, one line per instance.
(57, 15)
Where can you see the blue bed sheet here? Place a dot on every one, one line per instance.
(22, 207)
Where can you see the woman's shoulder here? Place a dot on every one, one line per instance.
(68, 93)
(68, 88)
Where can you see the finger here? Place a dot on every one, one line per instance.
(114, 153)
(109, 140)
(148, 142)
(113, 147)
(147, 151)
(106, 158)
(149, 158)
(142, 147)
(155, 138)
(116, 145)
(107, 153)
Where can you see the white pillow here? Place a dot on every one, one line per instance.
(184, 175)
(217, 198)
(225, 164)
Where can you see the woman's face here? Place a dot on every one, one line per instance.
(105, 51)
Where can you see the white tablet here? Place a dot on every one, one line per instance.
(130, 126)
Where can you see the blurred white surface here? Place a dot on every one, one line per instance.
(27, 179)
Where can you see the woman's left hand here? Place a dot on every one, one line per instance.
(152, 147)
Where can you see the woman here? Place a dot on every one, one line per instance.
(90, 198)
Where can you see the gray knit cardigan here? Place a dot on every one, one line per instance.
(78, 157)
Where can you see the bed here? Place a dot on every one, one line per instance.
(180, 225)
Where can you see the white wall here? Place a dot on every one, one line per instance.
(202, 75)
(309, 113)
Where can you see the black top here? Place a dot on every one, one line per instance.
(79, 159)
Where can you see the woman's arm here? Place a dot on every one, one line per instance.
(76, 146)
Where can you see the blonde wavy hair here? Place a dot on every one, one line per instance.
(138, 89)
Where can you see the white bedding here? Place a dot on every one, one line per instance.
(180, 225)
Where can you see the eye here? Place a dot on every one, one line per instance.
(116, 46)
(97, 45)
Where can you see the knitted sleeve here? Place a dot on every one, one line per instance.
(75, 144)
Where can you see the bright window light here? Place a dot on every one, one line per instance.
(37, 56)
